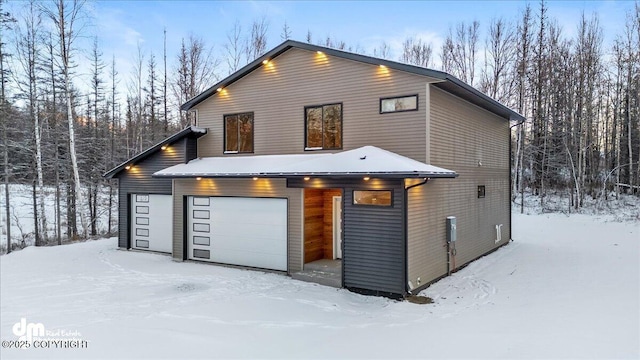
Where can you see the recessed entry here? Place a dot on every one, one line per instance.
(142, 220)
(142, 232)
(142, 209)
(142, 243)
(201, 240)
(200, 227)
(200, 201)
(201, 254)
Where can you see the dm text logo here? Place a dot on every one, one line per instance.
(27, 331)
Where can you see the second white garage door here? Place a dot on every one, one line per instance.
(238, 230)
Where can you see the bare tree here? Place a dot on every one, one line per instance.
(5, 24)
(28, 47)
(65, 16)
(416, 52)
(233, 48)
(459, 51)
(286, 32)
(256, 44)
(500, 54)
(196, 70)
(383, 51)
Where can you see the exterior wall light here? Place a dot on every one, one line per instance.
(255, 178)
(366, 178)
(306, 178)
(128, 167)
(164, 147)
(265, 62)
(198, 178)
(219, 89)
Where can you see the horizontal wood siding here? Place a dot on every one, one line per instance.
(462, 135)
(278, 92)
(313, 225)
(374, 245)
(245, 188)
(138, 179)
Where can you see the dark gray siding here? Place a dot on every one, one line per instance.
(374, 246)
(373, 255)
(138, 179)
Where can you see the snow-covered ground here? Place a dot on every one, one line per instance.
(567, 287)
(21, 209)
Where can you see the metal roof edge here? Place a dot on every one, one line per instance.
(189, 130)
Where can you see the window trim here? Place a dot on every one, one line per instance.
(399, 97)
(315, 148)
(353, 198)
(224, 133)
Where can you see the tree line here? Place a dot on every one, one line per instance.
(580, 96)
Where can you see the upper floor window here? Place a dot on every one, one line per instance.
(323, 124)
(238, 133)
(399, 104)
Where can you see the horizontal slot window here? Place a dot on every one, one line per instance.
(201, 254)
(200, 227)
(200, 214)
(142, 198)
(142, 209)
(372, 197)
(142, 220)
(399, 104)
(201, 201)
(142, 232)
(201, 240)
(142, 244)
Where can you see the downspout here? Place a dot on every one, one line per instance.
(406, 231)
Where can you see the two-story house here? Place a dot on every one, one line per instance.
(313, 156)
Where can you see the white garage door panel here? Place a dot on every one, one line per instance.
(151, 222)
(243, 231)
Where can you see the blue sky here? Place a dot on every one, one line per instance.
(121, 25)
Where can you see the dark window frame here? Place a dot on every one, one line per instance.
(353, 198)
(399, 97)
(482, 191)
(306, 137)
(224, 133)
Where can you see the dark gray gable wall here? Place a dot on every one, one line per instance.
(139, 180)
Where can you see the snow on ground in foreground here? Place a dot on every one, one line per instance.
(566, 287)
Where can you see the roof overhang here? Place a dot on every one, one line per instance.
(189, 131)
(365, 161)
(442, 79)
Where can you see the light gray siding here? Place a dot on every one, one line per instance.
(245, 188)
(462, 136)
(138, 179)
(278, 92)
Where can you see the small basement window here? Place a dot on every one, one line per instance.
(372, 197)
(481, 191)
(398, 104)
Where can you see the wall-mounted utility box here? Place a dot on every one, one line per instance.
(451, 229)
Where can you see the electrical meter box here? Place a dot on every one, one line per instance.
(451, 229)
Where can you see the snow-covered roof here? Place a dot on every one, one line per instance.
(367, 160)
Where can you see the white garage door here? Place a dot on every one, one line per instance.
(151, 222)
(238, 231)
